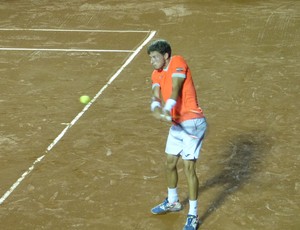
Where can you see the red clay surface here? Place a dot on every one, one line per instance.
(107, 171)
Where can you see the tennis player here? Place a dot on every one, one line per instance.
(174, 100)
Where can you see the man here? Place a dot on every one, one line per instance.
(174, 100)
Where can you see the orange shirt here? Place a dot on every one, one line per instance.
(186, 105)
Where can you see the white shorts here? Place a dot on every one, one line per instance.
(185, 139)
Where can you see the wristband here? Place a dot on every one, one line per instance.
(155, 104)
(169, 104)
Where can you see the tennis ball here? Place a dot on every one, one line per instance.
(84, 99)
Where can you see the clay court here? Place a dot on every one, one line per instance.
(65, 165)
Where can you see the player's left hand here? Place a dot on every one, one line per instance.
(157, 113)
(166, 116)
(161, 115)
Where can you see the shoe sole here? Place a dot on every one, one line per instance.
(161, 213)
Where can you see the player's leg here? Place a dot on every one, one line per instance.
(192, 221)
(171, 203)
(171, 171)
(173, 148)
(191, 150)
(192, 179)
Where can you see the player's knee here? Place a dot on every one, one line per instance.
(170, 166)
(171, 162)
(189, 168)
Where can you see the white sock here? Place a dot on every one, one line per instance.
(172, 195)
(193, 207)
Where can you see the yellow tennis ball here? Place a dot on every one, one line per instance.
(84, 99)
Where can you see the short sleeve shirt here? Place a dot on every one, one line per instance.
(187, 105)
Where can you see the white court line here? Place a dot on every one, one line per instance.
(69, 30)
(65, 50)
(58, 138)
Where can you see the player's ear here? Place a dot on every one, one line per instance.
(166, 56)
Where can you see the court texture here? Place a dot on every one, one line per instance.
(65, 165)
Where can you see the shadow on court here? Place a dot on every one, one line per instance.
(241, 160)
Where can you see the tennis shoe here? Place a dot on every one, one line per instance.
(192, 223)
(165, 207)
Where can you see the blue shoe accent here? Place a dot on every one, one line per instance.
(166, 207)
(192, 223)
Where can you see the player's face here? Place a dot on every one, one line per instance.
(157, 60)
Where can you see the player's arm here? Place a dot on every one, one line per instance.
(156, 92)
(156, 106)
(177, 83)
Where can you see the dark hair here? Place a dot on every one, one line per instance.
(161, 46)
